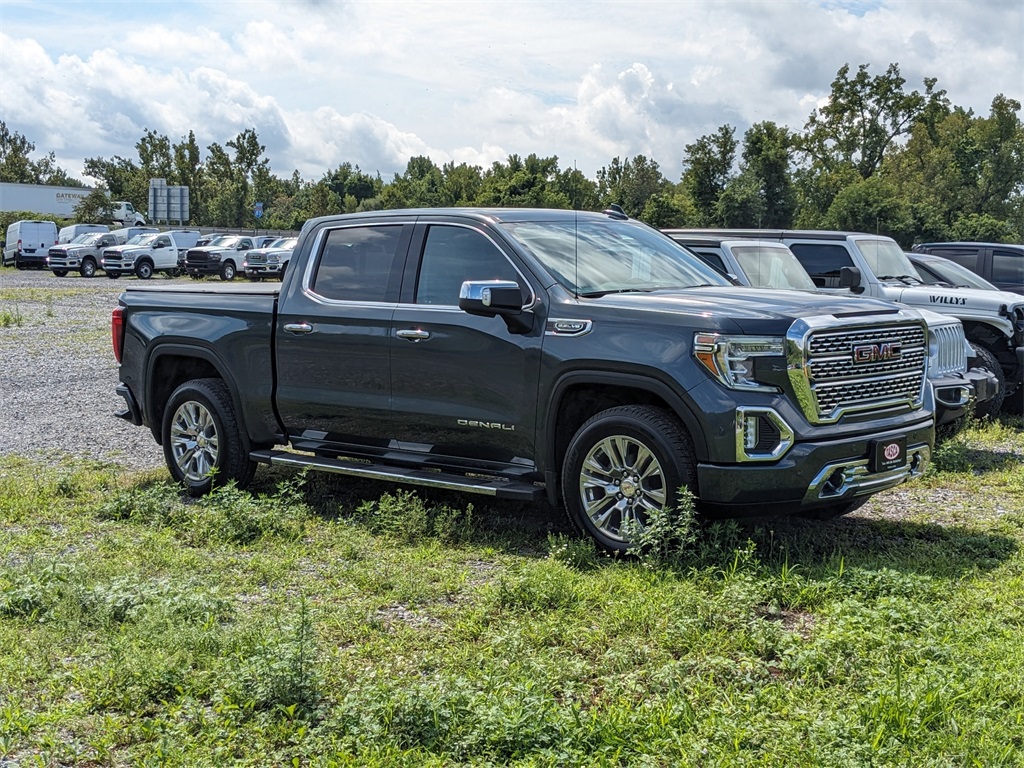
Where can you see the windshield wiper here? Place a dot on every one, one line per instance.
(902, 278)
(599, 294)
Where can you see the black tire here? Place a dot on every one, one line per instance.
(986, 359)
(88, 268)
(281, 275)
(227, 270)
(622, 463)
(833, 511)
(203, 445)
(113, 275)
(144, 270)
(60, 272)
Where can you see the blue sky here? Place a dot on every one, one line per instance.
(374, 83)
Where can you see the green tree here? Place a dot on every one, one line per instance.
(15, 163)
(523, 183)
(768, 161)
(863, 119)
(94, 207)
(630, 183)
(707, 168)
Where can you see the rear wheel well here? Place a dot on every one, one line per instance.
(168, 373)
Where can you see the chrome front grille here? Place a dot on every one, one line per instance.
(952, 350)
(836, 370)
(256, 258)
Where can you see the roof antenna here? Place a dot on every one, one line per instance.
(615, 211)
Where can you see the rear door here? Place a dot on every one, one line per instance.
(334, 339)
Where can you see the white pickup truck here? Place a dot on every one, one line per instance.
(157, 253)
(861, 264)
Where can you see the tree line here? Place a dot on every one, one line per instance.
(877, 158)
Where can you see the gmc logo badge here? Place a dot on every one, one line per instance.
(873, 353)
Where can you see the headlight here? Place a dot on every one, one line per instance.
(273, 259)
(730, 359)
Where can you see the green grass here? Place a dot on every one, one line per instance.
(324, 622)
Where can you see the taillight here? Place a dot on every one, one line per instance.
(117, 331)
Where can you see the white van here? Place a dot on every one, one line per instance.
(28, 243)
(71, 231)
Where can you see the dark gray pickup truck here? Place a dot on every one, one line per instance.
(519, 353)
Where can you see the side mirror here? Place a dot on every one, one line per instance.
(496, 298)
(849, 277)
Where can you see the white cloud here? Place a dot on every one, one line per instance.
(375, 83)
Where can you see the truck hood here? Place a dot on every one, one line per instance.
(752, 310)
(948, 300)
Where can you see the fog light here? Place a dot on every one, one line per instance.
(761, 435)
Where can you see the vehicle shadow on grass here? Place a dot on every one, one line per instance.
(858, 541)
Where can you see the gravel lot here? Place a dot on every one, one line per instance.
(57, 394)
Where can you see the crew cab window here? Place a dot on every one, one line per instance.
(822, 262)
(710, 258)
(1008, 268)
(356, 263)
(967, 257)
(452, 255)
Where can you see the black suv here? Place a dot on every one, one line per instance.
(1001, 264)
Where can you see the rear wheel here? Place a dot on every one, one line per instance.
(988, 360)
(144, 270)
(202, 442)
(622, 465)
(227, 271)
(88, 268)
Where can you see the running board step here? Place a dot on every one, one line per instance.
(499, 488)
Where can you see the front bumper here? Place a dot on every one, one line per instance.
(956, 396)
(207, 268)
(812, 474)
(262, 270)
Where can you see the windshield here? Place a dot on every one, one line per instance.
(142, 239)
(92, 238)
(886, 259)
(284, 242)
(955, 274)
(594, 258)
(772, 266)
(224, 241)
(79, 238)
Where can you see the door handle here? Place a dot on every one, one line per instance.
(298, 328)
(414, 334)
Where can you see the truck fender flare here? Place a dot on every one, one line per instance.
(655, 386)
(202, 353)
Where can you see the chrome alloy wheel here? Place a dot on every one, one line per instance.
(621, 479)
(195, 443)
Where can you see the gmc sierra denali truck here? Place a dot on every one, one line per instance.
(519, 353)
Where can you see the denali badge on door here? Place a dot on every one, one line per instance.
(888, 454)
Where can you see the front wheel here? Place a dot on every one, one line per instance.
(144, 270)
(227, 271)
(88, 268)
(988, 360)
(622, 465)
(202, 442)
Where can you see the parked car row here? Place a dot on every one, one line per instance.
(142, 251)
(874, 266)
